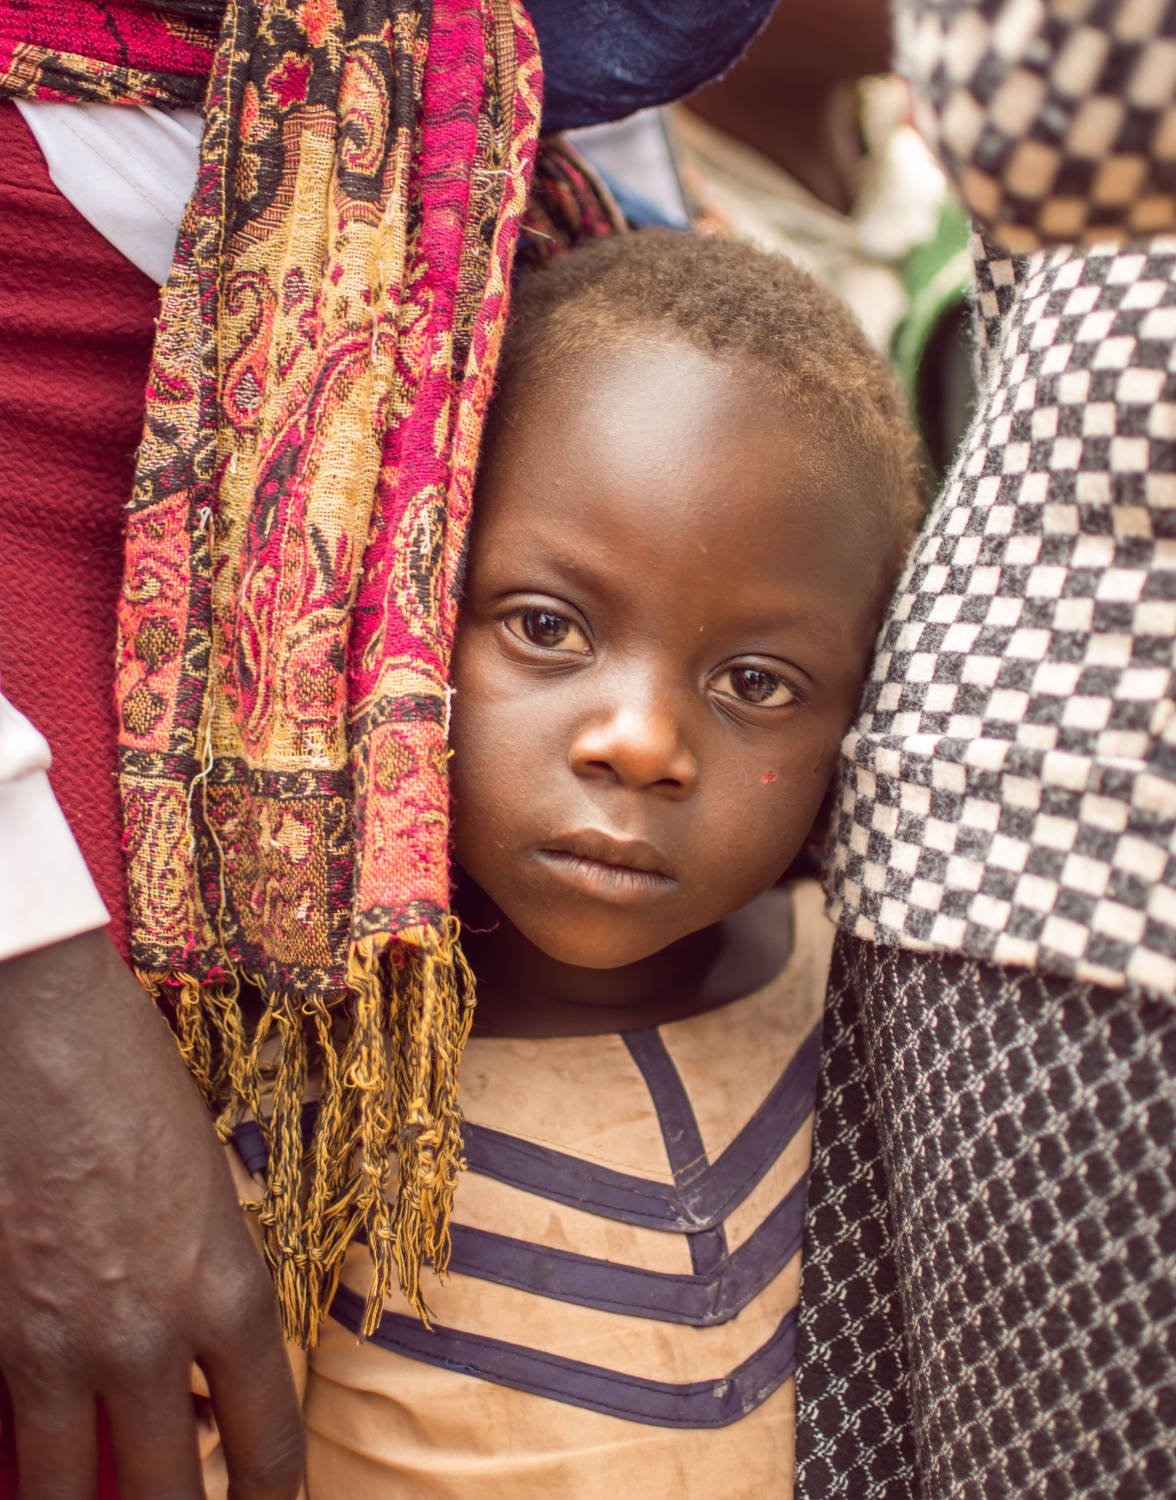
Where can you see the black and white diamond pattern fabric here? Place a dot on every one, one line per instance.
(989, 1298)
(1009, 789)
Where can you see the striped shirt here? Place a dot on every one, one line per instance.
(621, 1306)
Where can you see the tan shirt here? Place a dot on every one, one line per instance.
(620, 1316)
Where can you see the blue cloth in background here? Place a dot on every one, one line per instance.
(638, 211)
(605, 59)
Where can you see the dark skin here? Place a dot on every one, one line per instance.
(687, 530)
(105, 1134)
(672, 599)
(793, 95)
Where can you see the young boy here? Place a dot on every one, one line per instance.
(698, 488)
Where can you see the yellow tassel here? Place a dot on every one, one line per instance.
(385, 1151)
(191, 1027)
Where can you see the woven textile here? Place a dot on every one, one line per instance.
(75, 344)
(109, 51)
(322, 366)
(314, 410)
(1010, 784)
(990, 1259)
(989, 1290)
(1054, 118)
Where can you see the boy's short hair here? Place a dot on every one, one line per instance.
(731, 300)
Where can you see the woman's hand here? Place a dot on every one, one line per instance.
(123, 1254)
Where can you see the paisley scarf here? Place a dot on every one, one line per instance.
(323, 361)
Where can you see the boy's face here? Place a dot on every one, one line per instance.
(670, 608)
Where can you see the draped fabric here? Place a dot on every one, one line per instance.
(323, 360)
(116, 51)
(601, 62)
(989, 1306)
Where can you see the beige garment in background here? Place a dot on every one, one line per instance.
(859, 255)
(381, 1423)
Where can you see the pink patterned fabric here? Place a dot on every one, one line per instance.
(322, 367)
(109, 50)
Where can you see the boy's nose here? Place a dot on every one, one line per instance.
(638, 745)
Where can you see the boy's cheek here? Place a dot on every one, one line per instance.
(773, 821)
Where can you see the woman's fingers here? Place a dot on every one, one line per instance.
(257, 1411)
(153, 1431)
(122, 1250)
(56, 1442)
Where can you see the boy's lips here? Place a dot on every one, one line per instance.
(599, 864)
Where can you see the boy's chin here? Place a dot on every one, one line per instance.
(586, 946)
(571, 932)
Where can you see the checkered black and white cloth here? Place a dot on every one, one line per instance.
(989, 1300)
(1009, 788)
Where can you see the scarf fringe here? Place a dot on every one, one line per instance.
(384, 1155)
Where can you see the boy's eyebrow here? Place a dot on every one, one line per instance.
(568, 566)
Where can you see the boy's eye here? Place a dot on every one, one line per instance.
(755, 685)
(546, 628)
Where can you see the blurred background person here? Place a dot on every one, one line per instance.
(806, 147)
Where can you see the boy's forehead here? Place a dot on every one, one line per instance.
(652, 369)
(663, 424)
(695, 465)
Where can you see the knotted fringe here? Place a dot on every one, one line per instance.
(384, 1152)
